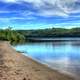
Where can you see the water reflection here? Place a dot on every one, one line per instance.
(63, 56)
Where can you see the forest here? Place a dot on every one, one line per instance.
(22, 35)
(11, 35)
(51, 32)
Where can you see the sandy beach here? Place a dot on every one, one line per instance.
(16, 66)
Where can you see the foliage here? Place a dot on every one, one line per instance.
(18, 36)
(54, 32)
(11, 35)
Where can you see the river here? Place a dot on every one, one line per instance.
(60, 54)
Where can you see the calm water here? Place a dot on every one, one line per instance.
(63, 56)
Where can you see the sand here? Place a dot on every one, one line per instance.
(16, 66)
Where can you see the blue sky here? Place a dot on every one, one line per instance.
(39, 14)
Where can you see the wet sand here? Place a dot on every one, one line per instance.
(16, 66)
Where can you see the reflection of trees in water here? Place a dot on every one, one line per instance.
(75, 43)
(55, 43)
(61, 42)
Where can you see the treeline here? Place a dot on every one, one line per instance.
(23, 35)
(11, 35)
(54, 32)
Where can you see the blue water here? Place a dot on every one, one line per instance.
(63, 56)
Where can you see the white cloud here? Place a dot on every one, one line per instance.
(9, 0)
(6, 11)
(16, 18)
(55, 7)
(50, 8)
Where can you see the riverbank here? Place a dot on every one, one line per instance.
(56, 39)
(15, 66)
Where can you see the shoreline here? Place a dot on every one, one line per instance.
(16, 66)
(46, 65)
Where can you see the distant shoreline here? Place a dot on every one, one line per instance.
(16, 66)
(33, 39)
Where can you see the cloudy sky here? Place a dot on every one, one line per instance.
(34, 14)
